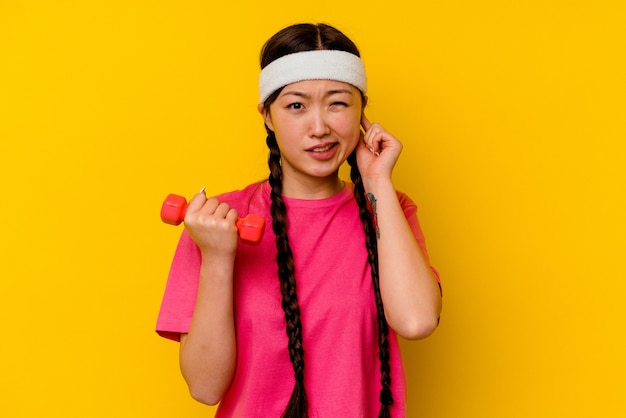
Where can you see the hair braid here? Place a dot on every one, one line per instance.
(297, 406)
(386, 398)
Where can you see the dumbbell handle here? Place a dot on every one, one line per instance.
(250, 227)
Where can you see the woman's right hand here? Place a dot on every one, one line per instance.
(208, 351)
(212, 225)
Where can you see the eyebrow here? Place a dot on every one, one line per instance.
(306, 96)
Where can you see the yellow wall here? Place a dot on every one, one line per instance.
(513, 119)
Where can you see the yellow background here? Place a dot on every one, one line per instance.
(513, 119)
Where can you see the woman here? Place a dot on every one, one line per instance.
(305, 323)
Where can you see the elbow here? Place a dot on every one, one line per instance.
(204, 395)
(420, 331)
(416, 328)
(206, 391)
(206, 383)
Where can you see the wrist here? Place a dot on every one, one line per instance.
(378, 185)
(217, 266)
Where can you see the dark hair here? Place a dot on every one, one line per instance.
(298, 38)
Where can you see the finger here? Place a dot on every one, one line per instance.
(197, 201)
(232, 215)
(222, 210)
(365, 123)
(373, 139)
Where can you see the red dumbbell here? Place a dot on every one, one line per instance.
(250, 228)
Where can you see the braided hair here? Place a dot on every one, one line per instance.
(298, 38)
(372, 257)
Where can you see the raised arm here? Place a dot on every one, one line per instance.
(208, 351)
(408, 286)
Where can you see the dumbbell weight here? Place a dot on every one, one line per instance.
(250, 227)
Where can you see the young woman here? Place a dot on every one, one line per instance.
(305, 323)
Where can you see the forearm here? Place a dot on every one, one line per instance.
(408, 286)
(208, 351)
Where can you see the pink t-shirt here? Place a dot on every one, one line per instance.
(338, 310)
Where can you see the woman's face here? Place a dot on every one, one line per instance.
(317, 126)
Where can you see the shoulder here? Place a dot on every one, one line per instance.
(243, 193)
(242, 199)
(405, 201)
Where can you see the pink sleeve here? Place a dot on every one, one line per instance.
(179, 300)
(410, 212)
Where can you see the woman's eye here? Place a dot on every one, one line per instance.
(339, 104)
(295, 106)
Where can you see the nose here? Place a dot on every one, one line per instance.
(318, 124)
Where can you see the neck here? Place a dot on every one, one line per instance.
(312, 188)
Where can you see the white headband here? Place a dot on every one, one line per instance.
(312, 65)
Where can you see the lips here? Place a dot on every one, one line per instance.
(322, 147)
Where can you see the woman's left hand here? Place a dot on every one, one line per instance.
(408, 285)
(378, 151)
